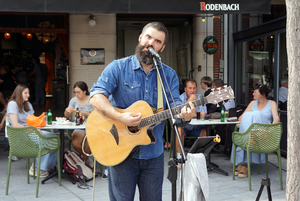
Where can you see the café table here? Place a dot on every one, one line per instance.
(61, 127)
(208, 124)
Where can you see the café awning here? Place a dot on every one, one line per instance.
(138, 6)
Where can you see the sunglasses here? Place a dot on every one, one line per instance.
(258, 85)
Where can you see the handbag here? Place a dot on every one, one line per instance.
(214, 115)
(35, 121)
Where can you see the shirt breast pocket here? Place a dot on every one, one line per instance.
(132, 91)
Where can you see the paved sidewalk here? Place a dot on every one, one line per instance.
(221, 187)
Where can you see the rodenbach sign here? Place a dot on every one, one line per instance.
(138, 6)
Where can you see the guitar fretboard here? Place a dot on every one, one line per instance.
(165, 114)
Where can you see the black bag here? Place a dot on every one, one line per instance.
(214, 115)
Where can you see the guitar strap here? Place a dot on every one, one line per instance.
(160, 106)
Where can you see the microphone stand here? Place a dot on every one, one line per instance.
(172, 173)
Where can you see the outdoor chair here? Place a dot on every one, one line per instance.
(27, 142)
(258, 138)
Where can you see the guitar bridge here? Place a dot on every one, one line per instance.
(113, 130)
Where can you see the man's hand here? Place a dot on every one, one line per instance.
(131, 119)
(69, 109)
(188, 113)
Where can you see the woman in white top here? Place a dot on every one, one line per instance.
(80, 101)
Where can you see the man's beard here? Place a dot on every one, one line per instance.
(143, 56)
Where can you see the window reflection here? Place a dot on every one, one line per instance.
(257, 66)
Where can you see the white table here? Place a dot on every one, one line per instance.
(209, 123)
(61, 127)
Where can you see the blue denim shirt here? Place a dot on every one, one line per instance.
(184, 99)
(126, 82)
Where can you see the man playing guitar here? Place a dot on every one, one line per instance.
(126, 81)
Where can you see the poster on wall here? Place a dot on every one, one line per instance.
(91, 56)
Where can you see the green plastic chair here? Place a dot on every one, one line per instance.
(69, 134)
(27, 142)
(261, 139)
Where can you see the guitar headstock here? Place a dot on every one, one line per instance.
(217, 96)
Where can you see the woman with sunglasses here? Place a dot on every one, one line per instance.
(260, 110)
(80, 101)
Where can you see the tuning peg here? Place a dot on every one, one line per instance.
(218, 105)
(225, 86)
(219, 88)
(212, 91)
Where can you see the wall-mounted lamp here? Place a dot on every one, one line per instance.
(29, 37)
(203, 19)
(7, 36)
(24, 34)
(92, 21)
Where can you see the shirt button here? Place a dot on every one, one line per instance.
(131, 87)
(147, 91)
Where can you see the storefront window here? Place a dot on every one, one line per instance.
(256, 66)
(283, 74)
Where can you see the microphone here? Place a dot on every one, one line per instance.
(153, 52)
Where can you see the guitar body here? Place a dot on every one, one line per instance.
(111, 142)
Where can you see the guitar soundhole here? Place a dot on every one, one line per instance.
(133, 129)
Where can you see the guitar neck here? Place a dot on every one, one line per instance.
(166, 114)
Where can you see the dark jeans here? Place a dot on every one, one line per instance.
(147, 174)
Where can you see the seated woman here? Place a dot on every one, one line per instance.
(80, 101)
(260, 110)
(18, 109)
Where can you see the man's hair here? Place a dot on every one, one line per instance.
(283, 81)
(218, 83)
(206, 80)
(190, 80)
(160, 27)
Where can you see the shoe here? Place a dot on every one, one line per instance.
(104, 177)
(104, 174)
(167, 145)
(43, 173)
(31, 170)
(14, 158)
(237, 170)
(243, 172)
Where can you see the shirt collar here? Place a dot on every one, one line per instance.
(137, 64)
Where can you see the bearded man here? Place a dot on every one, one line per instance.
(126, 81)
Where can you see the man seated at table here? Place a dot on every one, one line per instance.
(283, 94)
(189, 95)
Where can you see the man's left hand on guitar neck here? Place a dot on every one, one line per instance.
(187, 112)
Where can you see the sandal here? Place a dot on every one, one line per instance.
(237, 170)
(243, 172)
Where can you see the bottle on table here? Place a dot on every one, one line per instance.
(77, 117)
(49, 117)
(222, 115)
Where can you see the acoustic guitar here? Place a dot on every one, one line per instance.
(112, 142)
